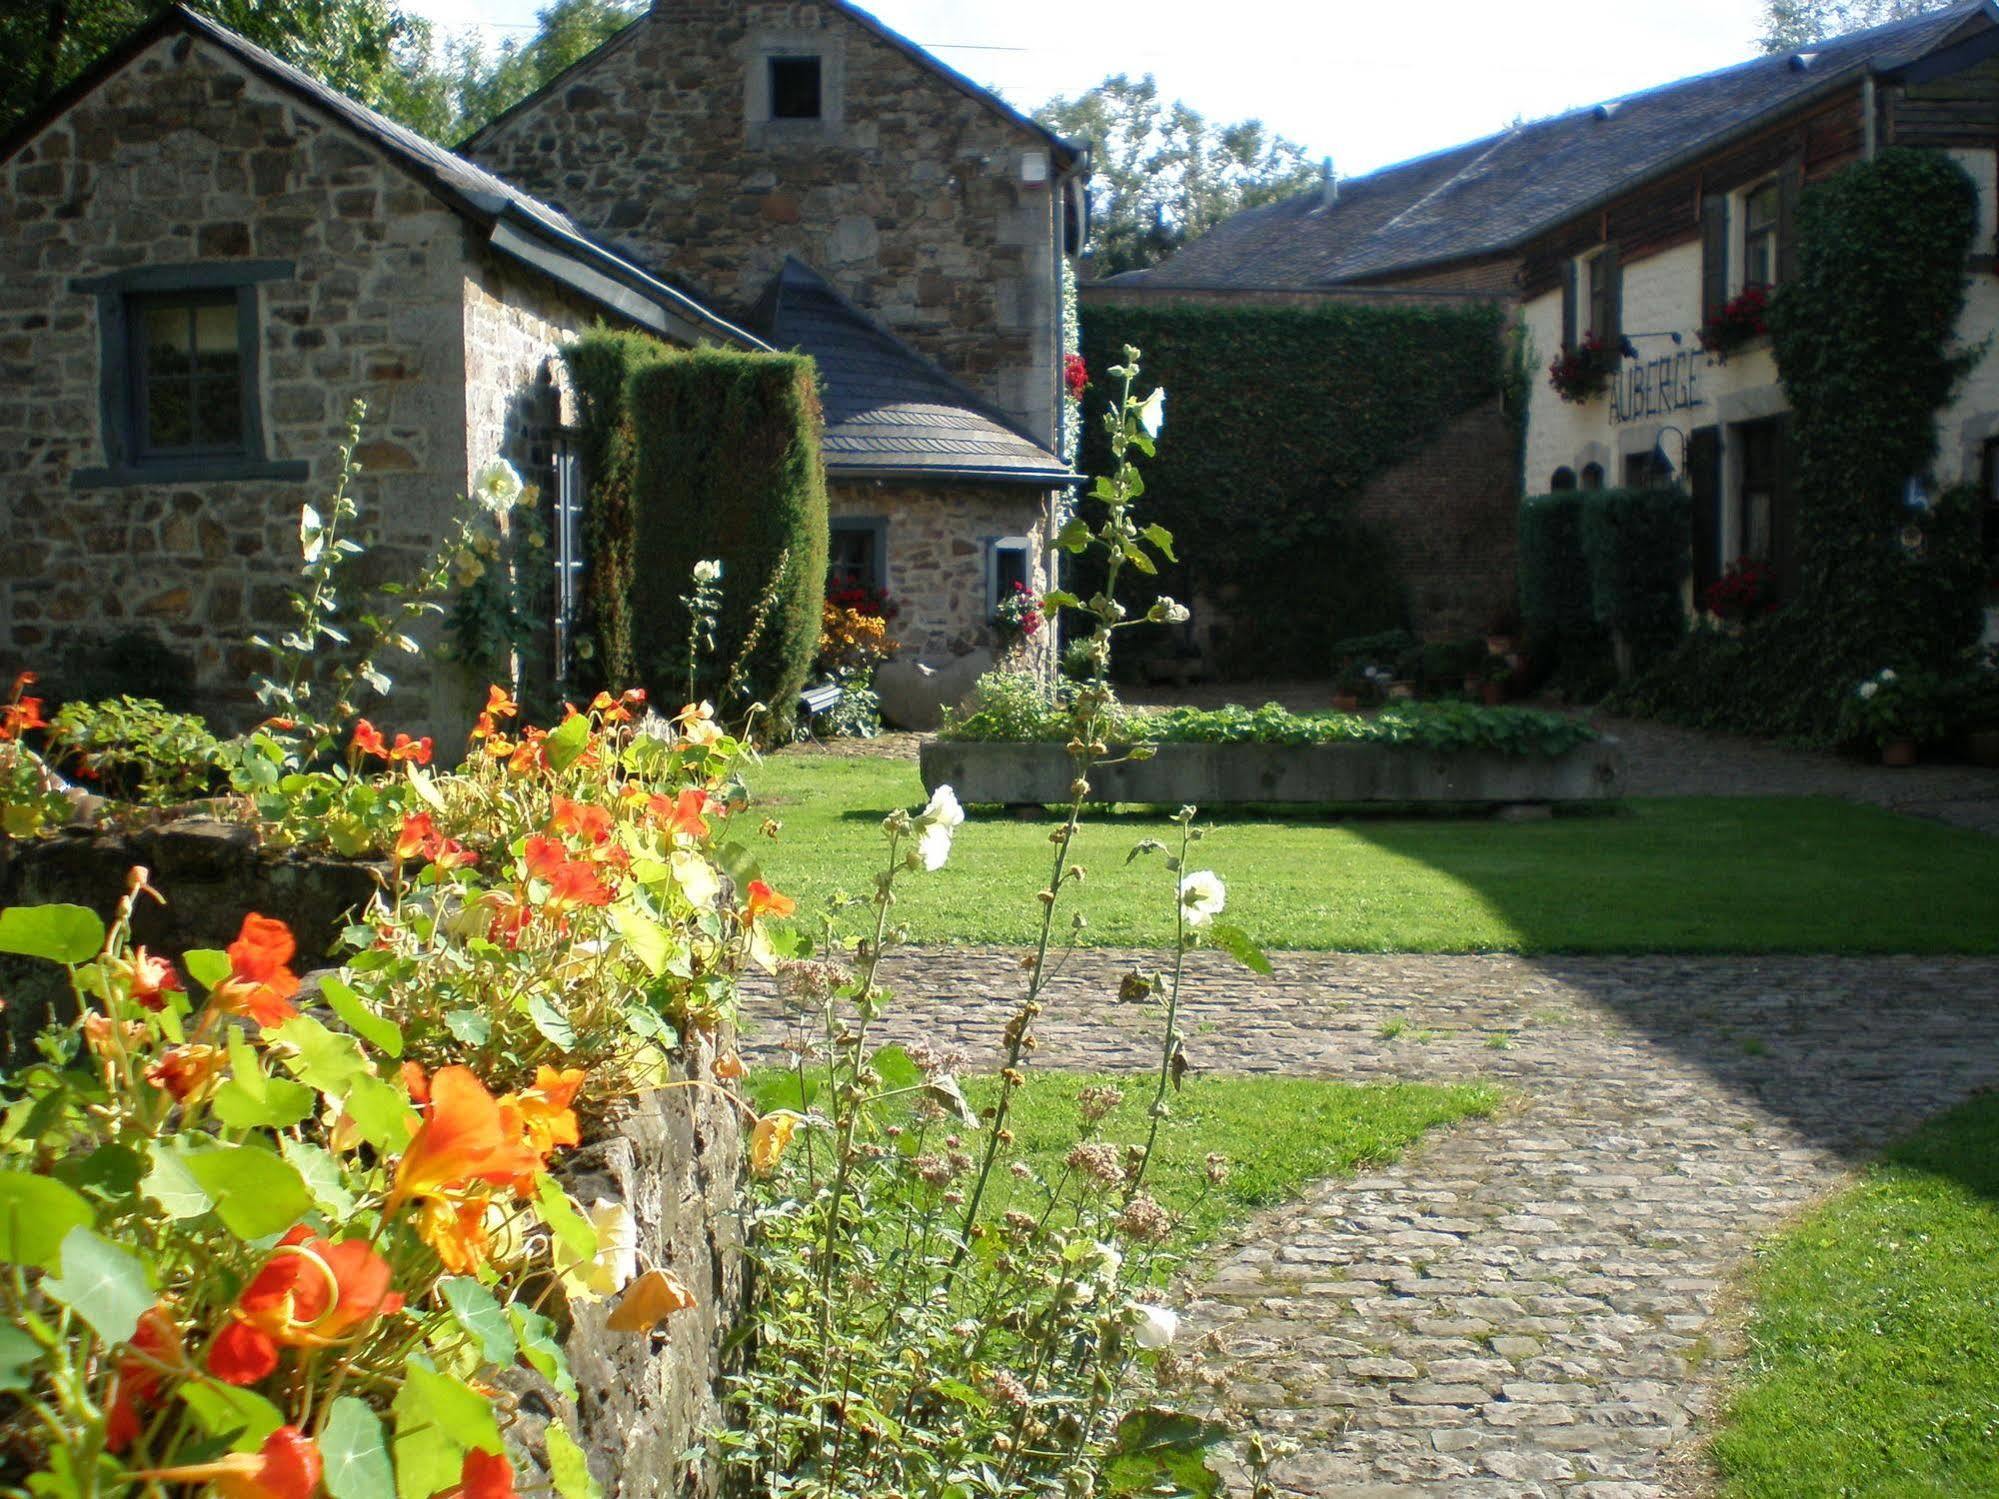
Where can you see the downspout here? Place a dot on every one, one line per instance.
(1067, 183)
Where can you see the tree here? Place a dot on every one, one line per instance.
(570, 30)
(1789, 25)
(370, 50)
(1161, 174)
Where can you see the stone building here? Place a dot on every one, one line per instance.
(204, 257)
(797, 160)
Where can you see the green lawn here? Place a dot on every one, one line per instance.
(1278, 1133)
(1876, 1332)
(1722, 874)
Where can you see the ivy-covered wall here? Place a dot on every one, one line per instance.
(1278, 419)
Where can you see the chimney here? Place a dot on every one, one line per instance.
(1329, 184)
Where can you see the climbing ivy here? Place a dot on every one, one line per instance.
(1280, 416)
(1864, 336)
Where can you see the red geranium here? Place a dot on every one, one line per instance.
(1075, 376)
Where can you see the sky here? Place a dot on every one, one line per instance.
(1367, 82)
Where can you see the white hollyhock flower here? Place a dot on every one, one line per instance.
(709, 571)
(1868, 689)
(1157, 1327)
(943, 810)
(1152, 415)
(933, 845)
(497, 486)
(1202, 896)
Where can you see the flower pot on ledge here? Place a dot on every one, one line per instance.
(1898, 752)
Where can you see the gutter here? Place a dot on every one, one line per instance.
(1034, 478)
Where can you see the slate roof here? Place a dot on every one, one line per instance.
(1492, 195)
(891, 413)
(468, 189)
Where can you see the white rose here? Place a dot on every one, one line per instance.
(497, 486)
(1152, 415)
(1157, 1327)
(708, 572)
(1202, 896)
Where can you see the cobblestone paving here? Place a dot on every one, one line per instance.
(1527, 1305)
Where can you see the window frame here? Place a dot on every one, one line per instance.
(139, 408)
(1024, 545)
(875, 528)
(121, 297)
(1771, 233)
(775, 60)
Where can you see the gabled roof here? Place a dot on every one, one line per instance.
(891, 413)
(1066, 152)
(516, 224)
(1492, 195)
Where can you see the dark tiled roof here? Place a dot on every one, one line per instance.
(468, 189)
(891, 413)
(1492, 195)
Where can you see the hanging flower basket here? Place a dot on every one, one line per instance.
(1581, 374)
(1740, 320)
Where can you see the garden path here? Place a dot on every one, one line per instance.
(1534, 1304)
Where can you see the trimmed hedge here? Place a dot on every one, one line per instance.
(1638, 545)
(1276, 419)
(1555, 601)
(601, 364)
(728, 466)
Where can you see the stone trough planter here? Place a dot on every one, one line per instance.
(1217, 775)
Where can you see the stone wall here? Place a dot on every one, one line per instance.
(909, 195)
(938, 541)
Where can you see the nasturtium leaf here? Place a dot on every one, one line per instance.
(381, 1112)
(206, 966)
(650, 942)
(551, 1022)
(1234, 941)
(895, 1068)
(567, 1465)
(110, 1171)
(438, 1419)
(469, 1027)
(35, 1213)
(242, 1418)
(355, 1452)
(540, 1348)
(255, 1190)
(19, 1354)
(64, 1477)
(323, 1059)
(60, 933)
(475, 1309)
(321, 1174)
(378, 1031)
(565, 742)
(253, 1100)
(559, 1215)
(171, 1185)
(739, 862)
(101, 1283)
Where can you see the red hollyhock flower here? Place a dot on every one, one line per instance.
(259, 984)
(310, 1293)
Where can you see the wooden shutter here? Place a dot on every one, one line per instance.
(1790, 184)
(1568, 306)
(1609, 316)
(1714, 253)
(1703, 480)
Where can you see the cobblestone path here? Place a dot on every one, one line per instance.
(1528, 1305)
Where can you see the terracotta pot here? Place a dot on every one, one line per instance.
(1899, 752)
(1346, 702)
(1493, 693)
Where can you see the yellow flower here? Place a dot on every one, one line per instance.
(769, 1139)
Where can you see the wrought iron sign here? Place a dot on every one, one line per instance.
(1645, 388)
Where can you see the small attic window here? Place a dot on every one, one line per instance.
(1801, 62)
(795, 88)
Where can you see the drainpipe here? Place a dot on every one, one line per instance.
(1069, 192)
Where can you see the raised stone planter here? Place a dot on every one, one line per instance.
(1213, 775)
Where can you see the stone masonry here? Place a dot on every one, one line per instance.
(910, 195)
(184, 157)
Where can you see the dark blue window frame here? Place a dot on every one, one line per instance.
(121, 296)
(875, 528)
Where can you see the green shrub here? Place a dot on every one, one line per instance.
(133, 749)
(728, 466)
(1638, 546)
(1555, 600)
(601, 365)
(1007, 713)
(1279, 417)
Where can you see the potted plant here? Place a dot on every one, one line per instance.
(1745, 590)
(1895, 712)
(1581, 374)
(1017, 618)
(1348, 689)
(1743, 318)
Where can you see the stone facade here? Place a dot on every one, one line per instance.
(925, 204)
(938, 544)
(185, 158)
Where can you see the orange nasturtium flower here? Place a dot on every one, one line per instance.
(311, 1293)
(483, 1475)
(416, 751)
(367, 740)
(416, 834)
(766, 901)
(287, 1466)
(135, 1379)
(581, 820)
(152, 979)
(571, 882)
(683, 813)
(19, 714)
(542, 1113)
(260, 985)
(466, 1142)
(188, 1073)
